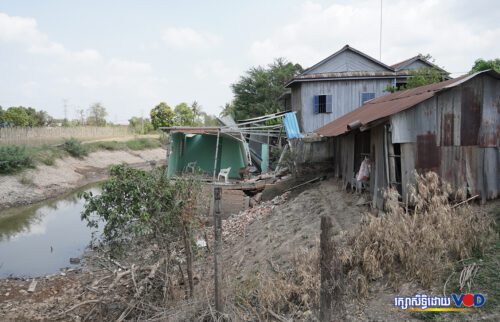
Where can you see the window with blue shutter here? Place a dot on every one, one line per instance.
(322, 104)
(316, 104)
(366, 97)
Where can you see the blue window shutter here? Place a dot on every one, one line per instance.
(329, 104)
(316, 104)
(366, 97)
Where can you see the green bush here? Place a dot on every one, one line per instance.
(14, 158)
(105, 145)
(143, 144)
(74, 148)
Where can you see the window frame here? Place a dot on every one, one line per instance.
(361, 97)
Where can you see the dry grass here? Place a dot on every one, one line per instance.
(280, 292)
(422, 245)
(403, 245)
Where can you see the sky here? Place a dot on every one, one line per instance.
(131, 55)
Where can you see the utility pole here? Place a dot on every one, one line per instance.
(380, 44)
(142, 121)
(65, 104)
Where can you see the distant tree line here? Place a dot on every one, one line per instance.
(20, 116)
(24, 116)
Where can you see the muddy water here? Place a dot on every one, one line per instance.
(40, 239)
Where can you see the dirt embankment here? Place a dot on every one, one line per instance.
(67, 174)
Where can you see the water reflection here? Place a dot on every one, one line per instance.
(39, 239)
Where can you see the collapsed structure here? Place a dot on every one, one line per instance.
(230, 149)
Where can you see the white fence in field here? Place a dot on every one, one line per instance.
(52, 135)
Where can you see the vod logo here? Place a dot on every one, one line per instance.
(469, 300)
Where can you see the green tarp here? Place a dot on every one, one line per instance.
(200, 148)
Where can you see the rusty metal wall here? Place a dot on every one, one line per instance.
(456, 133)
(489, 133)
(421, 119)
(472, 106)
(378, 178)
(407, 166)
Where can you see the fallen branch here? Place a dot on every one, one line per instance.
(75, 307)
(307, 182)
(466, 200)
(276, 316)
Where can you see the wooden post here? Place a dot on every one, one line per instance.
(326, 269)
(217, 249)
(216, 154)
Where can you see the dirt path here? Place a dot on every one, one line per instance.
(68, 173)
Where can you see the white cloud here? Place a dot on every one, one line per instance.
(24, 31)
(83, 75)
(409, 28)
(215, 70)
(188, 38)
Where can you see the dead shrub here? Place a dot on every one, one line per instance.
(421, 245)
(289, 292)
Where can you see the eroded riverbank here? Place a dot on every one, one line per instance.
(68, 174)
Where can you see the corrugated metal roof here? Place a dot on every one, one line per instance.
(405, 62)
(347, 47)
(391, 104)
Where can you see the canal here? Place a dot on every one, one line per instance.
(40, 239)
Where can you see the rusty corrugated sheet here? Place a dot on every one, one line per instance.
(489, 133)
(428, 154)
(447, 129)
(453, 166)
(471, 115)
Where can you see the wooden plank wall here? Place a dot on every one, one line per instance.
(346, 96)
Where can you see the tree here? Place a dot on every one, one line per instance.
(196, 110)
(43, 118)
(183, 115)
(80, 112)
(3, 123)
(481, 64)
(140, 125)
(424, 76)
(19, 116)
(97, 115)
(162, 115)
(137, 205)
(228, 110)
(258, 91)
(209, 120)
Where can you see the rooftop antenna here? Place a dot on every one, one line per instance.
(380, 44)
